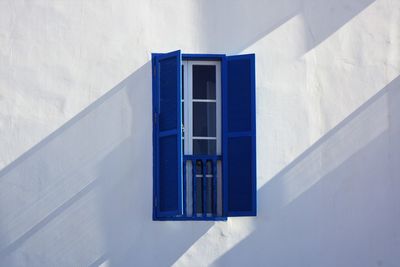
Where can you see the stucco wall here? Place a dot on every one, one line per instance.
(76, 132)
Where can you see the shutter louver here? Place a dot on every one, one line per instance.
(239, 136)
(167, 135)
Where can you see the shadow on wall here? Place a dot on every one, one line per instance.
(337, 203)
(231, 22)
(84, 194)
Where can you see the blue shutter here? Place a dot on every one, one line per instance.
(239, 136)
(167, 135)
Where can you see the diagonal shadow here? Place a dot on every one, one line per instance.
(126, 203)
(83, 192)
(337, 198)
(52, 176)
(83, 195)
(323, 18)
(14, 245)
(243, 25)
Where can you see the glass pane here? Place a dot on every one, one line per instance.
(204, 147)
(204, 119)
(204, 81)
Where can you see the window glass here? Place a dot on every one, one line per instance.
(204, 82)
(204, 119)
(204, 147)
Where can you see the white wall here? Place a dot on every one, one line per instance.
(76, 136)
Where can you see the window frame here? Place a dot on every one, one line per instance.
(188, 101)
(223, 59)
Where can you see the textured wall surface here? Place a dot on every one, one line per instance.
(76, 132)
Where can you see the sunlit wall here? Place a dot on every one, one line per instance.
(76, 132)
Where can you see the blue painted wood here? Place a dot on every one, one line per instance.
(167, 154)
(238, 139)
(202, 157)
(224, 119)
(201, 218)
(218, 57)
(155, 136)
(168, 133)
(239, 136)
(204, 192)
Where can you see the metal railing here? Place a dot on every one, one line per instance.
(203, 194)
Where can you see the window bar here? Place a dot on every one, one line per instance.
(204, 188)
(184, 187)
(194, 214)
(214, 170)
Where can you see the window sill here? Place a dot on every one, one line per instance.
(191, 219)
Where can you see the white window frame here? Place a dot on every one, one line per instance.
(188, 104)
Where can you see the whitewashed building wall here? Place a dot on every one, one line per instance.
(76, 132)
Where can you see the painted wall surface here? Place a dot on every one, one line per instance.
(76, 132)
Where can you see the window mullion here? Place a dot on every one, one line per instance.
(218, 111)
(189, 107)
(188, 176)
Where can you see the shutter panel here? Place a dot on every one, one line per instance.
(239, 136)
(167, 135)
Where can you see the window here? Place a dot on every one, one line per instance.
(201, 90)
(204, 154)
(201, 119)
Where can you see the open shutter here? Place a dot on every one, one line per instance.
(239, 136)
(167, 135)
